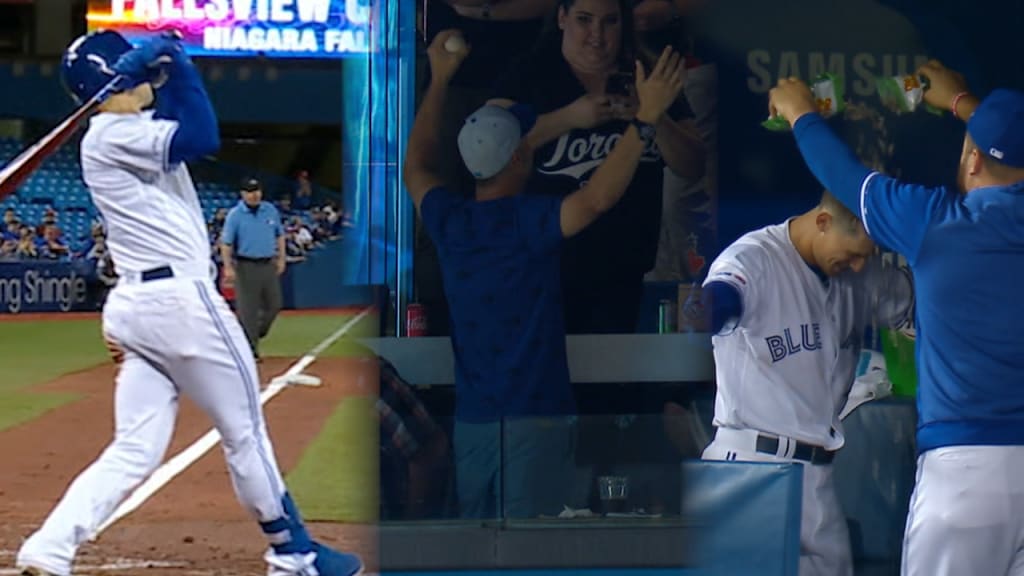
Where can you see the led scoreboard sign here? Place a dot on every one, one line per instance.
(243, 28)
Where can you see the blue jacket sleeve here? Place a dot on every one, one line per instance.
(183, 98)
(725, 303)
(896, 215)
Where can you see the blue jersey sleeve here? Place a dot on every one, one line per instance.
(183, 98)
(733, 287)
(725, 303)
(895, 214)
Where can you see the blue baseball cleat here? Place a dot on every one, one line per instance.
(330, 562)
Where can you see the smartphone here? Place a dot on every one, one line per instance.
(619, 84)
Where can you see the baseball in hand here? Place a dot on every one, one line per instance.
(454, 43)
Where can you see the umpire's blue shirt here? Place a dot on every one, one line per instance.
(967, 255)
(253, 232)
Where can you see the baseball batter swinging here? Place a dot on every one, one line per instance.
(165, 321)
(790, 304)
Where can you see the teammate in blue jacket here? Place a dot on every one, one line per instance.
(965, 246)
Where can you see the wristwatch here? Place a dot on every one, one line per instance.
(647, 131)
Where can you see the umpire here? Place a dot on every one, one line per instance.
(252, 249)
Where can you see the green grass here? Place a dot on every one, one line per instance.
(337, 478)
(296, 335)
(20, 407)
(37, 352)
(34, 353)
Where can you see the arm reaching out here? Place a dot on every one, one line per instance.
(421, 172)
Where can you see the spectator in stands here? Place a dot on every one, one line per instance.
(303, 192)
(107, 276)
(53, 248)
(27, 244)
(98, 249)
(303, 236)
(88, 248)
(214, 235)
(10, 216)
(49, 219)
(217, 224)
(335, 219)
(12, 230)
(8, 249)
(293, 252)
(499, 254)
(284, 206)
(412, 444)
(580, 81)
(253, 258)
(320, 228)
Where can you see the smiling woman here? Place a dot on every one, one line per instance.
(580, 81)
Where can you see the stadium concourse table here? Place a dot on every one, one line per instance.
(736, 518)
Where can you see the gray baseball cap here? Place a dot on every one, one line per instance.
(491, 135)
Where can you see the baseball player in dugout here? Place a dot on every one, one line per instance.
(252, 249)
(965, 246)
(790, 304)
(164, 322)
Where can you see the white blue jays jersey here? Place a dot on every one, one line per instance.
(787, 366)
(150, 208)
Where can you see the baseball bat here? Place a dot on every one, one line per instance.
(25, 163)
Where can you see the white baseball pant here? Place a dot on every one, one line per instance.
(967, 513)
(824, 535)
(178, 335)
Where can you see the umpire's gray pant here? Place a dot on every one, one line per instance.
(257, 297)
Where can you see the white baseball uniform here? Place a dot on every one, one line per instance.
(177, 332)
(784, 370)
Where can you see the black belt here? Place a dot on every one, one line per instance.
(157, 273)
(259, 260)
(805, 452)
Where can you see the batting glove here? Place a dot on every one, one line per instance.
(146, 63)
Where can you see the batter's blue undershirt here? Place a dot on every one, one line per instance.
(184, 98)
(966, 253)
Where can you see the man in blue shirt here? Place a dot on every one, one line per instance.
(252, 250)
(500, 262)
(966, 249)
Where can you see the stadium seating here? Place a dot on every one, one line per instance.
(57, 183)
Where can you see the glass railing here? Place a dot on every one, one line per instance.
(594, 468)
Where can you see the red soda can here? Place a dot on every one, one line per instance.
(415, 320)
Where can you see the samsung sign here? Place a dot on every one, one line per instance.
(243, 28)
(43, 287)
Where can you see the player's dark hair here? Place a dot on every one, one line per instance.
(840, 213)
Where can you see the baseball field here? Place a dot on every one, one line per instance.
(56, 416)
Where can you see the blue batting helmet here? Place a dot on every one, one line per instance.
(88, 61)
